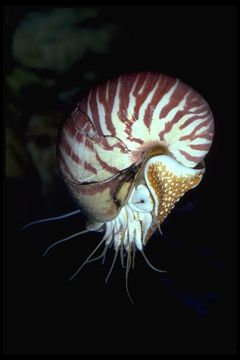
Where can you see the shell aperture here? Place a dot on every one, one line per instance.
(132, 147)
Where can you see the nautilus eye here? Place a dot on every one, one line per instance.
(130, 150)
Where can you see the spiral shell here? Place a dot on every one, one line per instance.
(132, 147)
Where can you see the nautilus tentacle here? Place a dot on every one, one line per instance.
(130, 150)
(54, 218)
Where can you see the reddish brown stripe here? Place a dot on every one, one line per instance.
(168, 125)
(109, 107)
(138, 141)
(76, 158)
(89, 167)
(108, 103)
(176, 97)
(79, 120)
(140, 98)
(189, 157)
(93, 106)
(120, 146)
(190, 120)
(105, 165)
(138, 83)
(148, 115)
(70, 127)
(89, 143)
(126, 87)
(193, 135)
(202, 109)
(74, 127)
(196, 101)
(65, 146)
(128, 83)
(205, 135)
(62, 163)
(69, 151)
(129, 136)
(150, 82)
(177, 117)
(193, 99)
(103, 142)
(79, 137)
(200, 146)
(163, 87)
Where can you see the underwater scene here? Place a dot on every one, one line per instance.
(120, 232)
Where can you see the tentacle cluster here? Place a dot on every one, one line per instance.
(128, 232)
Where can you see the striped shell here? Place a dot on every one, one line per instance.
(132, 147)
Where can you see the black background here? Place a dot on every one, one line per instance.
(45, 313)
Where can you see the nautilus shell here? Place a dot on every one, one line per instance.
(131, 148)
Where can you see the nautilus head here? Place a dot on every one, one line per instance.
(130, 150)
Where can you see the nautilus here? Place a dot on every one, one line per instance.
(130, 150)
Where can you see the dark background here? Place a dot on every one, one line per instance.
(192, 309)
